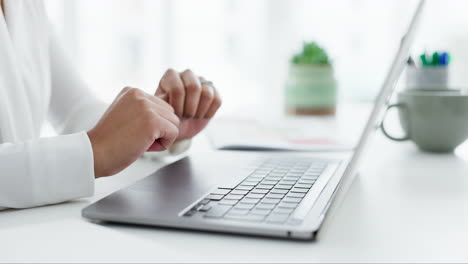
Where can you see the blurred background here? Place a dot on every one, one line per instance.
(244, 46)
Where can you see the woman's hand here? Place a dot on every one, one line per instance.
(134, 123)
(195, 100)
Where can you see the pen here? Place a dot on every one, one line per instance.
(444, 59)
(435, 59)
(423, 59)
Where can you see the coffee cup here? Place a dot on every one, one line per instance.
(435, 120)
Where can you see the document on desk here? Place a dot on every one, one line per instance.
(288, 133)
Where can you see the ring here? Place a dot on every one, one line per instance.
(209, 83)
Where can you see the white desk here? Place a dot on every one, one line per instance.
(404, 206)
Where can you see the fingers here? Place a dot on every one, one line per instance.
(164, 109)
(215, 105)
(193, 90)
(172, 84)
(167, 136)
(191, 97)
(206, 99)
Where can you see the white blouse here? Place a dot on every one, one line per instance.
(37, 82)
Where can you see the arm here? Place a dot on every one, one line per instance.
(73, 107)
(53, 170)
(46, 171)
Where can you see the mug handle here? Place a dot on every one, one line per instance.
(384, 130)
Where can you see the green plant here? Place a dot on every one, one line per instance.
(311, 54)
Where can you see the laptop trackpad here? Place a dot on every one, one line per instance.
(176, 186)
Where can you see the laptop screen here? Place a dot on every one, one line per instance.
(387, 89)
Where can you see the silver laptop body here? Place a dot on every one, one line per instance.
(253, 193)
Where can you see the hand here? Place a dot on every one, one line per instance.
(134, 123)
(195, 101)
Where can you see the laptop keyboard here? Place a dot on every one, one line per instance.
(270, 194)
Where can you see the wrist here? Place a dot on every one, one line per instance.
(97, 154)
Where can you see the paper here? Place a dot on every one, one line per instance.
(340, 132)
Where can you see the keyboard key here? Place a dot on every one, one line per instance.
(250, 201)
(316, 170)
(239, 192)
(255, 195)
(254, 178)
(270, 182)
(277, 218)
(215, 197)
(299, 190)
(221, 191)
(271, 201)
(283, 210)
(190, 213)
(277, 174)
(234, 197)
(292, 178)
(249, 183)
(310, 178)
(228, 202)
(275, 196)
(288, 205)
(296, 195)
(273, 178)
(205, 201)
(236, 211)
(303, 186)
(280, 170)
(218, 211)
(266, 206)
(306, 181)
(298, 171)
(284, 186)
(265, 186)
(260, 191)
(288, 182)
(292, 200)
(244, 206)
(244, 187)
(260, 212)
(279, 191)
(205, 208)
(259, 175)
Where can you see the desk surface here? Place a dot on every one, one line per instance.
(404, 206)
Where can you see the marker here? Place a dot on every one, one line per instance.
(435, 59)
(444, 59)
(423, 59)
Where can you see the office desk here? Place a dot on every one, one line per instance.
(404, 206)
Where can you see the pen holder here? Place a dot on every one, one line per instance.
(428, 78)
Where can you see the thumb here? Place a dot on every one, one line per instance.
(168, 135)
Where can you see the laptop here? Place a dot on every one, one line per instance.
(275, 194)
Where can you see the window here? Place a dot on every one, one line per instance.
(244, 45)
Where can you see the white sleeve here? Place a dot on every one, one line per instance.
(53, 170)
(46, 171)
(73, 107)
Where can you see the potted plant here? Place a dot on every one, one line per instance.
(311, 86)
